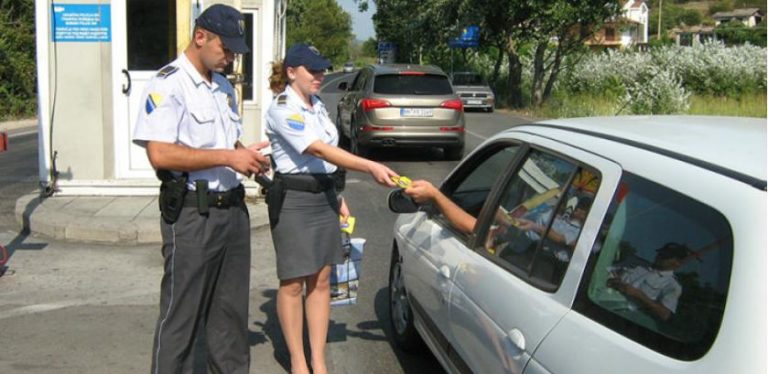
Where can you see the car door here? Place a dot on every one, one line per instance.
(519, 282)
(432, 249)
(348, 103)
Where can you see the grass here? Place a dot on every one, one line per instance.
(565, 106)
(746, 106)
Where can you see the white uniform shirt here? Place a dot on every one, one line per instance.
(181, 107)
(659, 285)
(291, 128)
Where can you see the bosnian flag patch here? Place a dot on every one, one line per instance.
(154, 100)
(296, 122)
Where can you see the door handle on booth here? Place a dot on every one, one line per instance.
(127, 88)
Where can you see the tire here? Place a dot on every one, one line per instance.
(489, 110)
(404, 332)
(454, 153)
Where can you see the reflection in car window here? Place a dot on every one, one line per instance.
(472, 191)
(468, 80)
(659, 270)
(428, 84)
(540, 216)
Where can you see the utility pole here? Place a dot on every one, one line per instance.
(658, 27)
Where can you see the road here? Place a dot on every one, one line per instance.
(80, 308)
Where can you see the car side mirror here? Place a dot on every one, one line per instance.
(343, 86)
(399, 202)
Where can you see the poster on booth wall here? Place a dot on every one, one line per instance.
(81, 23)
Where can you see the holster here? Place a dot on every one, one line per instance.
(172, 193)
(274, 199)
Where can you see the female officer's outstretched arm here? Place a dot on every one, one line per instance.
(337, 156)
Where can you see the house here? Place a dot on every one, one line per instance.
(94, 59)
(693, 35)
(628, 30)
(750, 17)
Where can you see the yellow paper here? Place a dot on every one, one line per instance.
(402, 182)
(349, 226)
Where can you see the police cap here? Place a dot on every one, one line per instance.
(226, 22)
(307, 56)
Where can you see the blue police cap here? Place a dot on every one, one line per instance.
(226, 22)
(307, 56)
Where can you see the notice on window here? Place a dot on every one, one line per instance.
(81, 23)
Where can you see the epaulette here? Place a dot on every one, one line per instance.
(166, 71)
(282, 99)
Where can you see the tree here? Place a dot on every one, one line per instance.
(369, 47)
(322, 23)
(17, 58)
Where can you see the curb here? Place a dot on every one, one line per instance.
(49, 218)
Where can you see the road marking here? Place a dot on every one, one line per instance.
(28, 132)
(475, 134)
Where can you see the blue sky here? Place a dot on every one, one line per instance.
(362, 26)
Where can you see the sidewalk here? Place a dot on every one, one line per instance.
(128, 220)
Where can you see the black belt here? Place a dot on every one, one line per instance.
(307, 182)
(222, 200)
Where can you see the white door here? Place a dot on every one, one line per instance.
(144, 40)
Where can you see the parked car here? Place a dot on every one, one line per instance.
(602, 245)
(401, 106)
(349, 67)
(473, 91)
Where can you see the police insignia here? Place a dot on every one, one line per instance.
(154, 100)
(166, 71)
(296, 122)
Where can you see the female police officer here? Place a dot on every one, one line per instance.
(305, 209)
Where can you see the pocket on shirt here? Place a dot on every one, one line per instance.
(201, 129)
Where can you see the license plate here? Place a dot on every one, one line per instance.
(416, 112)
(474, 102)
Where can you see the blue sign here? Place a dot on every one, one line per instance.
(470, 37)
(82, 23)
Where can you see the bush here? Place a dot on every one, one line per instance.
(658, 91)
(17, 60)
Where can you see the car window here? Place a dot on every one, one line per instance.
(468, 80)
(540, 216)
(359, 82)
(659, 271)
(428, 84)
(482, 172)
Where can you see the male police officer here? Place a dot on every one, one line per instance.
(190, 126)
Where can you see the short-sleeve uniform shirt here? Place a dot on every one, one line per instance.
(181, 107)
(291, 128)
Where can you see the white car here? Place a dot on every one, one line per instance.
(602, 245)
(348, 67)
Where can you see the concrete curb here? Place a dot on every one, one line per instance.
(124, 220)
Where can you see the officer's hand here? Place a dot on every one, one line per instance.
(382, 174)
(246, 161)
(421, 191)
(263, 160)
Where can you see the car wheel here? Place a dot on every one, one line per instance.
(454, 153)
(400, 314)
(343, 139)
(490, 109)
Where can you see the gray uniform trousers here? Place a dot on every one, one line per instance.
(206, 283)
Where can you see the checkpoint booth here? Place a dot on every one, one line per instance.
(94, 59)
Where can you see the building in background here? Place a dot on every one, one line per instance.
(631, 29)
(94, 59)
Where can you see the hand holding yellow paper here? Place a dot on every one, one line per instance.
(402, 181)
(349, 226)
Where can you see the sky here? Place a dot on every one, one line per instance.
(362, 26)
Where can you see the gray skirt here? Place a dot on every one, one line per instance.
(307, 236)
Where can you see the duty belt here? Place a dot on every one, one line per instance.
(307, 182)
(221, 200)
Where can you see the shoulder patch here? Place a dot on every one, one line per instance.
(154, 100)
(166, 71)
(282, 99)
(296, 122)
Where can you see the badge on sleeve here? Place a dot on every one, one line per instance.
(154, 100)
(296, 122)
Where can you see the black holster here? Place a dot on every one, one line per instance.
(274, 199)
(172, 193)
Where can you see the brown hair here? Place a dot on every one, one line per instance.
(279, 78)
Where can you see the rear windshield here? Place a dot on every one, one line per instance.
(393, 84)
(468, 80)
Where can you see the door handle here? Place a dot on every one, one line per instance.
(445, 272)
(127, 88)
(517, 339)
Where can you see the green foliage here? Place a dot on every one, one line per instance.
(369, 47)
(735, 33)
(721, 6)
(322, 23)
(17, 59)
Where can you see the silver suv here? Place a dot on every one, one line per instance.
(401, 106)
